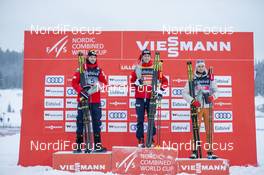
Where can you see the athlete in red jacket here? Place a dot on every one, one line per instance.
(142, 81)
(93, 75)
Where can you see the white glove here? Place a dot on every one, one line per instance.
(138, 82)
(159, 94)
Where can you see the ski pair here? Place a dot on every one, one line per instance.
(154, 101)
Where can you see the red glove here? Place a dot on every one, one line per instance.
(211, 99)
(196, 103)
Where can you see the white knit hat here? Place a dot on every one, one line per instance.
(200, 62)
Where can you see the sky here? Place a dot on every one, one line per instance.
(239, 15)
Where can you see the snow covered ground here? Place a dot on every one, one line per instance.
(9, 143)
(12, 99)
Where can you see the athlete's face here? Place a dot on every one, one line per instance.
(201, 68)
(92, 59)
(146, 58)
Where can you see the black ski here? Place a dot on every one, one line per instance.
(87, 122)
(194, 113)
(153, 101)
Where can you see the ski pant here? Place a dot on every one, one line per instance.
(142, 105)
(96, 114)
(203, 115)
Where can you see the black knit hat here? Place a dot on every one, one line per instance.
(92, 53)
(145, 51)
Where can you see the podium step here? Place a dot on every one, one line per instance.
(76, 162)
(133, 160)
(203, 166)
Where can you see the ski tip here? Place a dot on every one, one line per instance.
(157, 53)
(189, 62)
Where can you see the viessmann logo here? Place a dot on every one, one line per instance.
(58, 47)
(82, 167)
(173, 46)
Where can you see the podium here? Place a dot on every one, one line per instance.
(134, 161)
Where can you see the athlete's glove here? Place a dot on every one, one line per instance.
(196, 103)
(211, 98)
(139, 82)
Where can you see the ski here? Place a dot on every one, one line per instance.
(153, 101)
(87, 122)
(211, 77)
(194, 113)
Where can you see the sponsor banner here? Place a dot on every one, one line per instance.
(180, 127)
(67, 161)
(179, 104)
(223, 104)
(223, 80)
(117, 115)
(53, 115)
(176, 92)
(163, 114)
(223, 115)
(54, 92)
(71, 115)
(132, 91)
(118, 103)
(202, 127)
(103, 103)
(133, 127)
(66, 45)
(53, 127)
(179, 81)
(103, 127)
(117, 91)
(165, 103)
(117, 127)
(225, 92)
(70, 127)
(132, 160)
(103, 115)
(117, 80)
(53, 103)
(223, 127)
(71, 103)
(58, 57)
(202, 166)
(180, 115)
(132, 103)
(54, 80)
(70, 92)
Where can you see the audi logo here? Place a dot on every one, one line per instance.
(55, 80)
(223, 115)
(117, 115)
(71, 92)
(177, 91)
